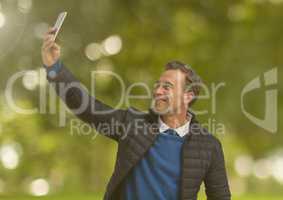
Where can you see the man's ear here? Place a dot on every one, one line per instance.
(188, 96)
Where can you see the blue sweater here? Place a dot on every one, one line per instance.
(157, 175)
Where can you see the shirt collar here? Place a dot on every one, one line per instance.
(181, 131)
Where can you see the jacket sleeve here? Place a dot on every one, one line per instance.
(216, 183)
(103, 118)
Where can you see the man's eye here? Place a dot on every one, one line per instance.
(166, 87)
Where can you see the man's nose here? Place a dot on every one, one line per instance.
(159, 91)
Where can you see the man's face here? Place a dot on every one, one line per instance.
(169, 95)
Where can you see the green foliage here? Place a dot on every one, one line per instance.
(224, 41)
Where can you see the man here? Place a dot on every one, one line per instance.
(167, 154)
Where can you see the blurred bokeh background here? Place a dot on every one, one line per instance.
(229, 44)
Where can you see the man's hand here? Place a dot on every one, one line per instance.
(50, 51)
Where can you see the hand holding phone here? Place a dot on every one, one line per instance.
(50, 50)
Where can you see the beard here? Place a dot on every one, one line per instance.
(161, 106)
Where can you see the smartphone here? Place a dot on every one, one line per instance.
(60, 19)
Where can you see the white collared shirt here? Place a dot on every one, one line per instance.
(181, 131)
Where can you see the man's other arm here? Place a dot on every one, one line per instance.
(216, 182)
(84, 106)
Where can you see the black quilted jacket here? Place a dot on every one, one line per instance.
(202, 155)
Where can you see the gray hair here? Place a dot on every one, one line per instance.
(193, 81)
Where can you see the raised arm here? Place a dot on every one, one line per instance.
(92, 111)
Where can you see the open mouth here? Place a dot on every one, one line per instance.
(161, 100)
(164, 100)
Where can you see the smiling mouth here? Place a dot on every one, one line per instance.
(161, 100)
